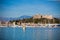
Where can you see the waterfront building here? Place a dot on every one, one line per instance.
(37, 16)
(18, 23)
(47, 16)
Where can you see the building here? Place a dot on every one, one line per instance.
(47, 16)
(38, 16)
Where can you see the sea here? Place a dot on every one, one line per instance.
(30, 33)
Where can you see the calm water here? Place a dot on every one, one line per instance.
(37, 33)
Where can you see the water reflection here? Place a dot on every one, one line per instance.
(29, 34)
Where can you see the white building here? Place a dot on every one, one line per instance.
(48, 16)
(37, 16)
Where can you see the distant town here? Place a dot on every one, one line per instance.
(35, 20)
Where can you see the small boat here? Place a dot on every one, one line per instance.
(58, 25)
(53, 25)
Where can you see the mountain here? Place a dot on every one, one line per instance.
(23, 17)
(8, 19)
(5, 19)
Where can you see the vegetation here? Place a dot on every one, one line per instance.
(41, 20)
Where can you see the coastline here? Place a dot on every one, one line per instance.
(38, 25)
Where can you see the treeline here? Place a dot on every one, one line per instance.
(41, 20)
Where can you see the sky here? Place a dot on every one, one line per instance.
(17, 8)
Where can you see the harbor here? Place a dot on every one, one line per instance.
(36, 20)
(33, 25)
(35, 33)
(30, 20)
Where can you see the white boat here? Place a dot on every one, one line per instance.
(52, 25)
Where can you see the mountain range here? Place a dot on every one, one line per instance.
(21, 17)
(7, 19)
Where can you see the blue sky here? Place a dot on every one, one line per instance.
(17, 8)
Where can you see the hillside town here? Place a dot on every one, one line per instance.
(35, 20)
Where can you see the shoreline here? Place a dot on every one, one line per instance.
(41, 25)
